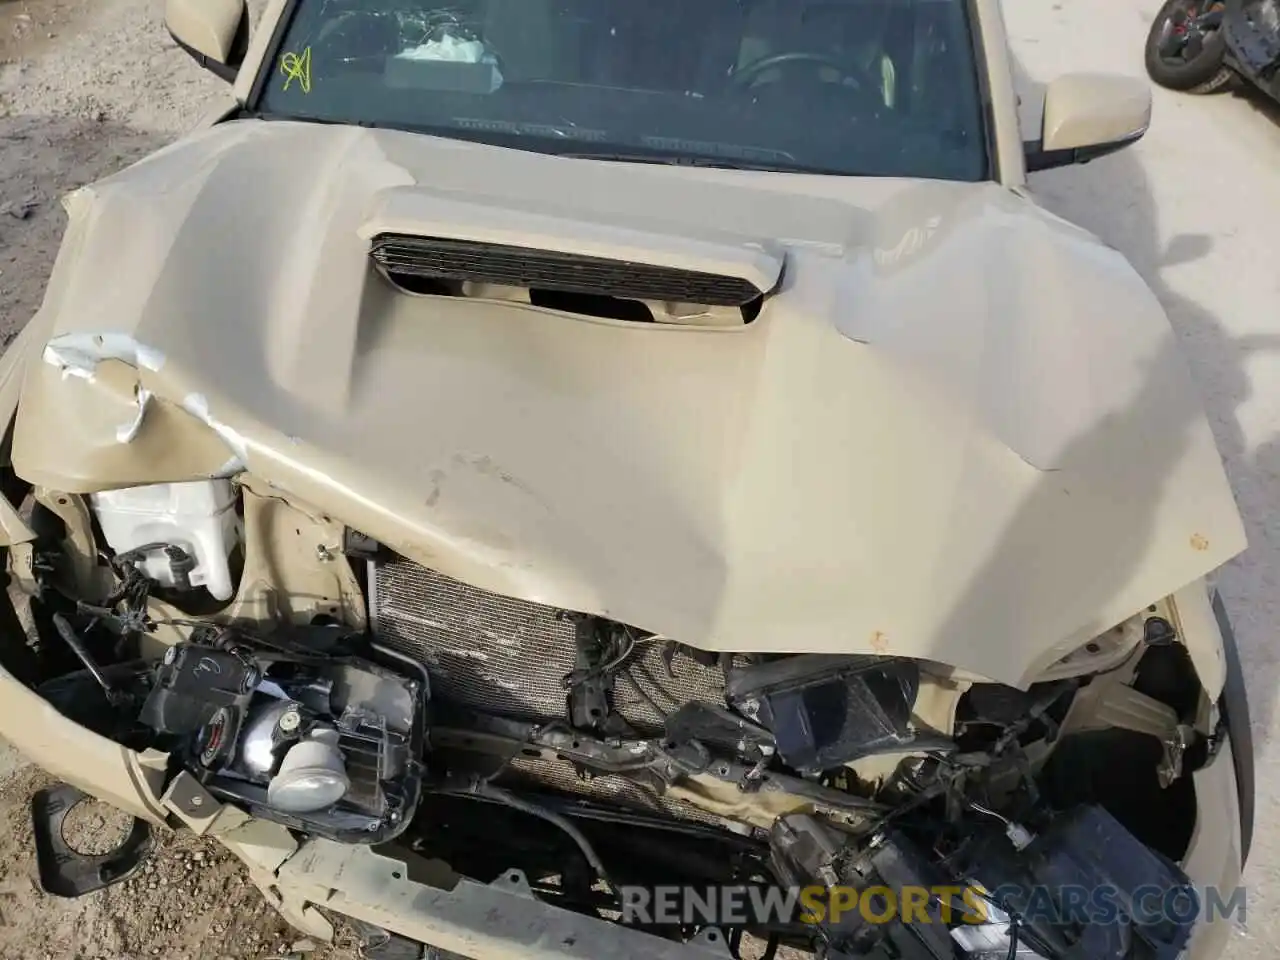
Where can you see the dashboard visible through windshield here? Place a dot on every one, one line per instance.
(850, 87)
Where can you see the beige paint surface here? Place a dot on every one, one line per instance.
(961, 430)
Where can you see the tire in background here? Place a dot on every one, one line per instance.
(1206, 73)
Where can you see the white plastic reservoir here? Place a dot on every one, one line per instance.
(198, 516)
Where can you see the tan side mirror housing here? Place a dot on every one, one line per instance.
(1088, 115)
(214, 32)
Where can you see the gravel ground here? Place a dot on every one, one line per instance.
(1194, 207)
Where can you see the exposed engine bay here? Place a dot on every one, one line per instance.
(494, 734)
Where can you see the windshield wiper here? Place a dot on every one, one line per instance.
(515, 141)
(688, 160)
(302, 118)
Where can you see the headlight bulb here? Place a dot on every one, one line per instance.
(312, 775)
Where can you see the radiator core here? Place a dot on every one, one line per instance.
(501, 655)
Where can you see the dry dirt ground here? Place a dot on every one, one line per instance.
(190, 900)
(85, 88)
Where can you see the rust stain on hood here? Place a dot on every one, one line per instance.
(959, 430)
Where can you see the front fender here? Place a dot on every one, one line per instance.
(115, 774)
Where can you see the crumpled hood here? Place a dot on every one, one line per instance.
(960, 429)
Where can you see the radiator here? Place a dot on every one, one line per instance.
(507, 656)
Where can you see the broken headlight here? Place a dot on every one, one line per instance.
(327, 743)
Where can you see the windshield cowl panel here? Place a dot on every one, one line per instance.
(848, 87)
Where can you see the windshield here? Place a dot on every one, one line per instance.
(857, 87)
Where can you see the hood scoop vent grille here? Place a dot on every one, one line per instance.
(596, 286)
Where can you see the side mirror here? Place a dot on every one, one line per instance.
(1088, 115)
(214, 32)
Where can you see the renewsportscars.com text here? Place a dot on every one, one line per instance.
(737, 905)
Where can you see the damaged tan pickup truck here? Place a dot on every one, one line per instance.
(531, 455)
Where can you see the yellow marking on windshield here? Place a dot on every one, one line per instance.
(297, 67)
(888, 81)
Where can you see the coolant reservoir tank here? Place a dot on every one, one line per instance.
(198, 516)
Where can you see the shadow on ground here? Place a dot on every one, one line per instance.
(1112, 199)
(1261, 102)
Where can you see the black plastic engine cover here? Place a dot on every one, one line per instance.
(194, 681)
(825, 711)
(1086, 852)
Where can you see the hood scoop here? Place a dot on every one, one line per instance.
(575, 283)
